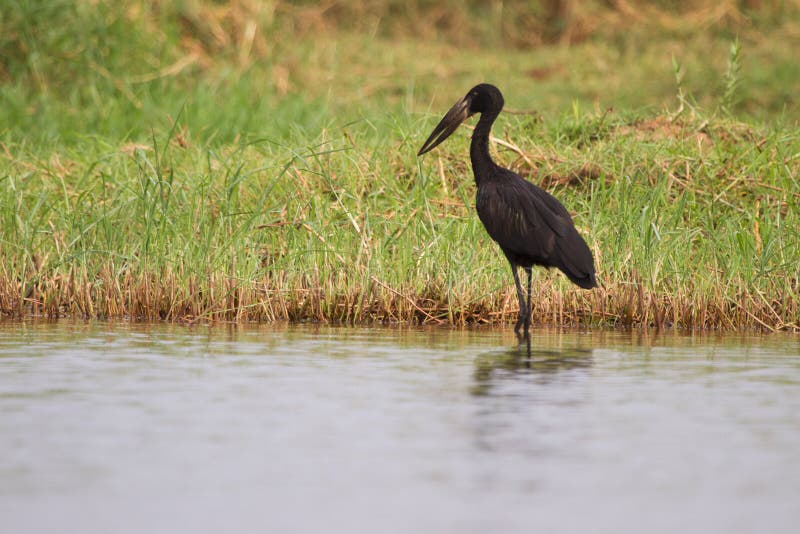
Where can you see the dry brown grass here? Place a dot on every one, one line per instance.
(248, 26)
(167, 296)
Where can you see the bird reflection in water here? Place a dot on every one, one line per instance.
(521, 359)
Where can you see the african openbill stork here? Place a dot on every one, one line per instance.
(529, 224)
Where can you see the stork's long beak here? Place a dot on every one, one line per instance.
(457, 114)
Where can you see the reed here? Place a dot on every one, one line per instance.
(184, 182)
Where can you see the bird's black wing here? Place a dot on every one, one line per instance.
(528, 222)
(522, 217)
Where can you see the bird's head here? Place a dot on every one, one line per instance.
(482, 98)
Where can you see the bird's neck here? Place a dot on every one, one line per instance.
(482, 163)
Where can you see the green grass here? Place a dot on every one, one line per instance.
(181, 178)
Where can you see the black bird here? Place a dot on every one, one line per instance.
(529, 224)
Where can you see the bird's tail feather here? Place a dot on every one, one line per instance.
(587, 281)
(577, 261)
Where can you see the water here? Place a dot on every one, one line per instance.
(131, 429)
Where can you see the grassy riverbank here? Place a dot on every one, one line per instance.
(220, 164)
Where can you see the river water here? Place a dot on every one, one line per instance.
(121, 428)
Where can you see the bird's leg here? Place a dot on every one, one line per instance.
(528, 305)
(520, 297)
